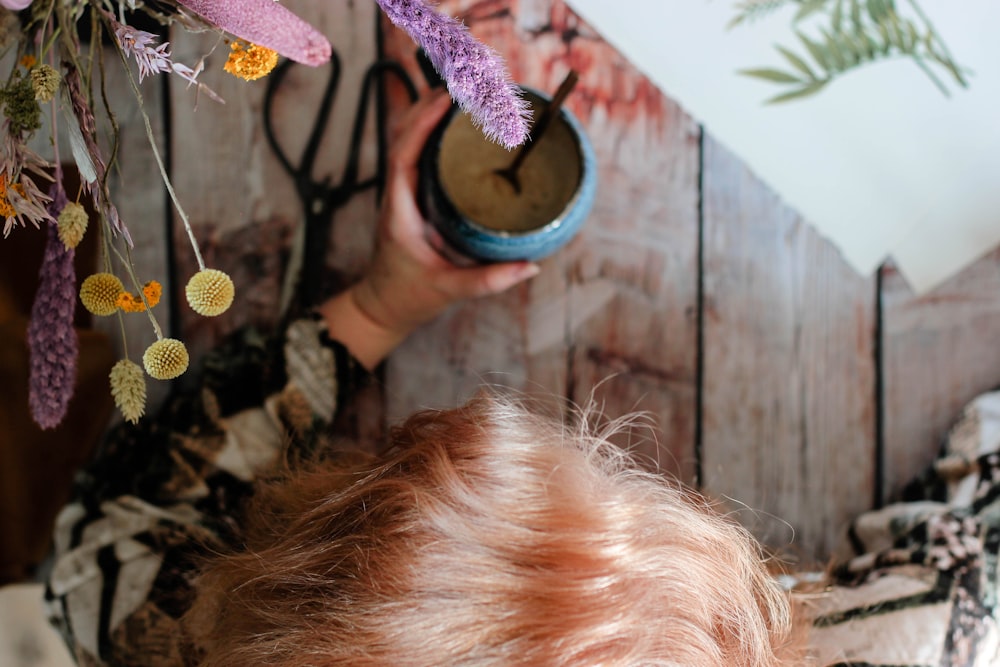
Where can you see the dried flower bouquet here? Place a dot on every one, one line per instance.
(55, 80)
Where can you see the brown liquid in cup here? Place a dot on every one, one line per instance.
(549, 175)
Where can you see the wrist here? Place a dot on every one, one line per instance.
(360, 331)
(397, 315)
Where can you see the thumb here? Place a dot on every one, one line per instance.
(493, 278)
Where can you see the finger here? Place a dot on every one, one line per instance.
(420, 122)
(491, 279)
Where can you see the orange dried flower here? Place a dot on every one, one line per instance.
(132, 303)
(250, 61)
(152, 290)
(7, 209)
(28, 61)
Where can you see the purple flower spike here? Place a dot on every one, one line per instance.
(475, 74)
(266, 23)
(52, 340)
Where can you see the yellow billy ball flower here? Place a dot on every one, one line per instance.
(99, 292)
(72, 224)
(210, 292)
(128, 388)
(250, 61)
(165, 359)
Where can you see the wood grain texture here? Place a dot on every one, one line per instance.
(788, 411)
(241, 202)
(612, 314)
(940, 352)
(788, 406)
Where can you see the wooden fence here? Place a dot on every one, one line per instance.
(778, 378)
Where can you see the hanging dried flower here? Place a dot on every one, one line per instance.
(250, 61)
(7, 209)
(132, 303)
(475, 74)
(52, 340)
(45, 82)
(128, 388)
(20, 105)
(153, 58)
(267, 23)
(20, 166)
(72, 224)
(210, 292)
(165, 359)
(99, 293)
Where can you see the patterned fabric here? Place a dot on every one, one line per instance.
(917, 581)
(160, 494)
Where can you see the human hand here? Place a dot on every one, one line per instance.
(408, 282)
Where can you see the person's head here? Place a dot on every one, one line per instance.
(487, 535)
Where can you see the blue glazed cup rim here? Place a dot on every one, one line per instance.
(429, 162)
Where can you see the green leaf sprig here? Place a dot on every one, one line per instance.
(854, 33)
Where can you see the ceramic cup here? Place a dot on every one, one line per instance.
(479, 215)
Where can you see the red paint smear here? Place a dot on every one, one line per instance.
(563, 41)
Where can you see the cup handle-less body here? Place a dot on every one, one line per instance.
(465, 239)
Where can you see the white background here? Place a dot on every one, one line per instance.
(880, 162)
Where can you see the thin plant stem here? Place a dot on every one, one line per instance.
(115, 129)
(159, 163)
(45, 44)
(121, 323)
(130, 270)
(54, 122)
(105, 231)
(142, 295)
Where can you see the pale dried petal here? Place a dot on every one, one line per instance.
(128, 388)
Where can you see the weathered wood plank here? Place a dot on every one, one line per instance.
(485, 341)
(939, 351)
(618, 300)
(242, 204)
(788, 410)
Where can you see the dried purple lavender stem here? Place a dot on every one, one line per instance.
(52, 340)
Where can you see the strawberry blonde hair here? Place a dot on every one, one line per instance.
(488, 535)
